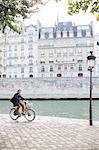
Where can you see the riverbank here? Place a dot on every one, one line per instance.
(50, 88)
(55, 99)
(48, 133)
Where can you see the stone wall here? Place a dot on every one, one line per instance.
(49, 87)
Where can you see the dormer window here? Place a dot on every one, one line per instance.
(46, 35)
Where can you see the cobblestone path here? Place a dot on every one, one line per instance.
(48, 133)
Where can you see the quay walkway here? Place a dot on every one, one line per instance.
(48, 133)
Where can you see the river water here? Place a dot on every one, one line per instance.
(59, 108)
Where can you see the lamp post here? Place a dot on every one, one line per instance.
(91, 63)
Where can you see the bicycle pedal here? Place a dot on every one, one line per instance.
(29, 114)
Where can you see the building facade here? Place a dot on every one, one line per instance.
(59, 51)
(96, 48)
(19, 53)
(62, 50)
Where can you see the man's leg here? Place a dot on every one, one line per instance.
(17, 109)
(22, 107)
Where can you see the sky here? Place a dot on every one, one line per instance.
(53, 12)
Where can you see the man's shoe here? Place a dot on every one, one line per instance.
(23, 113)
(15, 113)
(19, 115)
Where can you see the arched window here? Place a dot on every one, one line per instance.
(4, 75)
(31, 75)
(80, 74)
(59, 75)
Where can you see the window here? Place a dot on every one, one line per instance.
(80, 67)
(22, 47)
(51, 68)
(65, 67)
(71, 52)
(83, 33)
(30, 46)
(42, 54)
(59, 53)
(15, 76)
(31, 69)
(79, 50)
(51, 75)
(22, 55)
(42, 62)
(54, 34)
(30, 54)
(10, 76)
(15, 54)
(59, 75)
(67, 33)
(10, 63)
(42, 69)
(42, 75)
(4, 75)
(30, 62)
(22, 70)
(59, 67)
(61, 34)
(22, 40)
(51, 61)
(30, 39)
(80, 74)
(79, 61)
(64, 53)
(71, 67)
(46, 35)
(22, 75)
(51, 53)
(97, 43)
(15, 48)
(39, 35)
(9, 48)
(31, 76)
(10, 54)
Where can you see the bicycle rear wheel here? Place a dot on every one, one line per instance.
(30, 114)
(13, 114)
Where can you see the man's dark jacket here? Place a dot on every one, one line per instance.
(16, 98)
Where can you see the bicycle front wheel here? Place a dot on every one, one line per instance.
(30, 114)
(13, 114)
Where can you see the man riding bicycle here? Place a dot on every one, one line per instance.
(16, 101)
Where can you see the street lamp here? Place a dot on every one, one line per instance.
(91, 63)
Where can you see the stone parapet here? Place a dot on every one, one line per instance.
(49, 87)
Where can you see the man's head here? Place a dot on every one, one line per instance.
(19, 91)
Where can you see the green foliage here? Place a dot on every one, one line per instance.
(14, 11)
(75, 6)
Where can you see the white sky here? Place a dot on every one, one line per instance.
(48, 15)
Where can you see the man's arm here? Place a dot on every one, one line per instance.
(22, 98)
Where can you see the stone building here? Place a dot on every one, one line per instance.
(96, 48)
(19, 53)
(62, 50)
(58, 51)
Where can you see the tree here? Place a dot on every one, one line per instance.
(13, 11)
(75, 6)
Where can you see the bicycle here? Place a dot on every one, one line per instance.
(29, 113)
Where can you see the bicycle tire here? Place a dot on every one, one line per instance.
(30, 114)
(13, 117)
